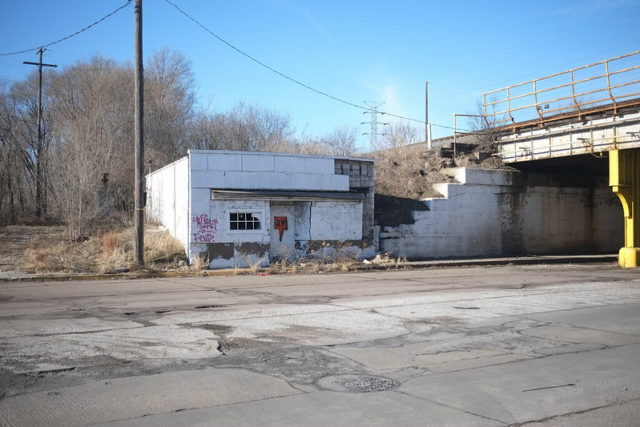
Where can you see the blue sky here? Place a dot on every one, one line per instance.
(378, 51)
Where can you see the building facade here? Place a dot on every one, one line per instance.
(238, 209)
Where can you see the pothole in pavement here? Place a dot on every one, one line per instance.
(357, 383)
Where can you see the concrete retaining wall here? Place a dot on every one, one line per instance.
(498, 213)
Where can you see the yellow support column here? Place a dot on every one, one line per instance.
(624, 179)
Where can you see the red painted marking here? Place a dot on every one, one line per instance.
(280, 224)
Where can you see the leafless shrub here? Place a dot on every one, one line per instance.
(200, 263)
(109, 241)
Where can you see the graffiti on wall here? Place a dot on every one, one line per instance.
(205, 229)
(280, 224)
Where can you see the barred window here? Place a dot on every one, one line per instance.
(244, 221)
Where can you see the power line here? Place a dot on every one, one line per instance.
(257, 61)
(70, 35)
(291, 79)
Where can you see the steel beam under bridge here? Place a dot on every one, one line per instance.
(587, 135)
(615, 134)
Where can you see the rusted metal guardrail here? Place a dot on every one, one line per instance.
(599, 86)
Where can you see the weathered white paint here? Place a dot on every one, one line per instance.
(335, 221)
(284, 247)
(180, 198)
(168, 198)
(265, 171)
(220, 211)
(594, 135)
(495, 213)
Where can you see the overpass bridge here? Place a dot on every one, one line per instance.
(586, 117)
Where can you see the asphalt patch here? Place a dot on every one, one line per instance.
(357, 383)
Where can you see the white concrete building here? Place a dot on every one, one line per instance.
(235, 208)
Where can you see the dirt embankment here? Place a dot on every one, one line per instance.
(404, 176)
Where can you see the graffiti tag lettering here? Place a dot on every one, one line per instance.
(206, 229)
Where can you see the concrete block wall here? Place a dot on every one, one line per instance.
(497, 213)
(318, 225)
(264, 171)
(335, 221)
(361, 178)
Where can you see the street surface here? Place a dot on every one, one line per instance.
(486, 346)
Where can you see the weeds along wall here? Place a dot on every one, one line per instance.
(500, 213)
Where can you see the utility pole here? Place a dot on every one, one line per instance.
(373, 133)
(426, 110)
(139, 138)
(427, 126)
(39, 148)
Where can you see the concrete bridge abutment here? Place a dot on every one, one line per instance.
(490, 212)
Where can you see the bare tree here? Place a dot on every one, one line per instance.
(245, 128)
(169, 104)
(92, 152)
(484, 134)
(341, 142)
(399, 134)
(16, 162)
(87, 156)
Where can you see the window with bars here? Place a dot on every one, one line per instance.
(244, 221)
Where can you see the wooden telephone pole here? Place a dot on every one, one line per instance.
(139, 139)
(39, 147)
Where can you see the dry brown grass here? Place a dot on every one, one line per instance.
(49, 250)
(389, 262)
(409, 172)
(109, 241)
(333, 260)
(161, 250)
(53, 252)
(110, 252)
(161, 247)
(337, 265)
(200, 264)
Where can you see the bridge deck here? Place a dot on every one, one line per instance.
(594, 132)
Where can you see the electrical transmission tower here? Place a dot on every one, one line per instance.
(373, 132)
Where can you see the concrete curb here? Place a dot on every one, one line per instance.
(122, 276)
(438, 263)
(525, 260)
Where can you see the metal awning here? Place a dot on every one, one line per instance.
(283, 195)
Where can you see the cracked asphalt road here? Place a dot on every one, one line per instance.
(512, 345)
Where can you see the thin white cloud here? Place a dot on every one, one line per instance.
(388, 94)
(303, 11)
